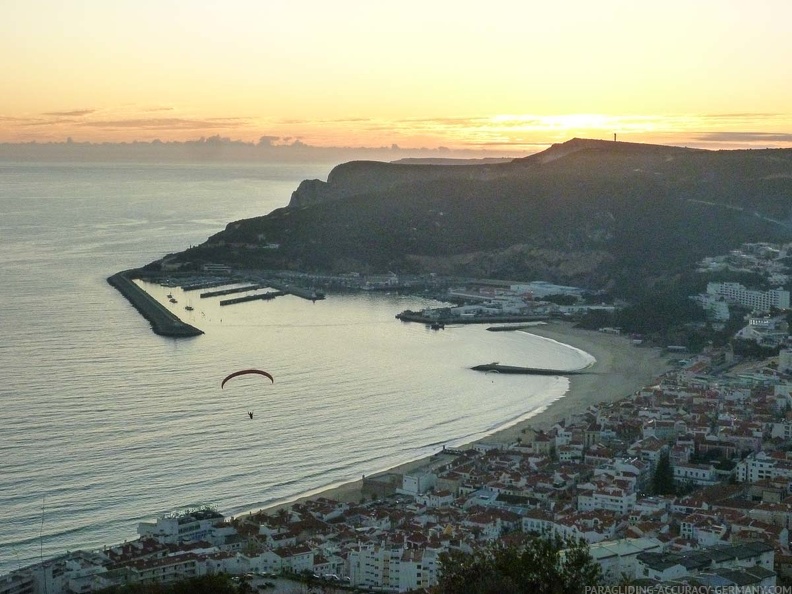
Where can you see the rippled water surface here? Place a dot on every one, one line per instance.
(105, 424)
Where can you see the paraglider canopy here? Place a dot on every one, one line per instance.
(246, 372)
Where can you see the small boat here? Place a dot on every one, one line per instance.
(172, 300)
(188, 307)
(437, 326)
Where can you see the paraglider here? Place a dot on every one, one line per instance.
(245, 372)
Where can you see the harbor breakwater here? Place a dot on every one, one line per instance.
(163, 321)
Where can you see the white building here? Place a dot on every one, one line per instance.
(716, 307)
(745, 556)
(699, 474)
(415, 484)
(435, 498)
(190, 525)
(782, 430)
(608, 498)
(762, 465)
(393, 568)
(618, 558)
(417, 569)
(785, 360)
(756, 300)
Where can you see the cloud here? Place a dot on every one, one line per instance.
(510, 143)
(50, 122)
(74, 113)
(153, 109)
(268, 140)
(458, 121)
(742, 116)
(745, 137)
(164, 123)
(298, 122)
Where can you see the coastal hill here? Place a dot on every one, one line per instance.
(601, 214)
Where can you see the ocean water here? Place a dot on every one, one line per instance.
(104, 424)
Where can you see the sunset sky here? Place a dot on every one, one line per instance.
(503, 76)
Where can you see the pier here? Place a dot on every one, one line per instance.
(221, 292)
(257, 297)
(297, 291)
(198, 286)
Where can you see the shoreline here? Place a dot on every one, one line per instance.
(619, 370)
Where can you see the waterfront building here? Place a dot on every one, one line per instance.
(189, 525)
(17, 583)
(165, 569)
(417, 483)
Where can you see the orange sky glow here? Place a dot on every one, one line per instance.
(510, 77)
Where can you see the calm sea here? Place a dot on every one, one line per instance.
(104, 424)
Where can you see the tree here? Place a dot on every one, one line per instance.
(543, 565)
(663, 479)
(207, 584)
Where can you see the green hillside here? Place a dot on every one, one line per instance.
(605, 215)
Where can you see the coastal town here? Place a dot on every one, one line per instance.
(685, 480)
(721, 516)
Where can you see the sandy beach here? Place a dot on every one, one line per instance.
(620, 369)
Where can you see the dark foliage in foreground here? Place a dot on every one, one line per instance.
(541, 566)
(208, 584)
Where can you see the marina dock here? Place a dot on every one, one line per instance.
(257, 297)
(221, 292)
(298, 291)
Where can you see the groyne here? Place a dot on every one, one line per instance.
(162, 320)
(498, 368)
(413, 316)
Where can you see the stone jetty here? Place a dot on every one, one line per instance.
(162, 320)
(498, 368)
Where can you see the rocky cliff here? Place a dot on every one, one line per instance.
(364, 177)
